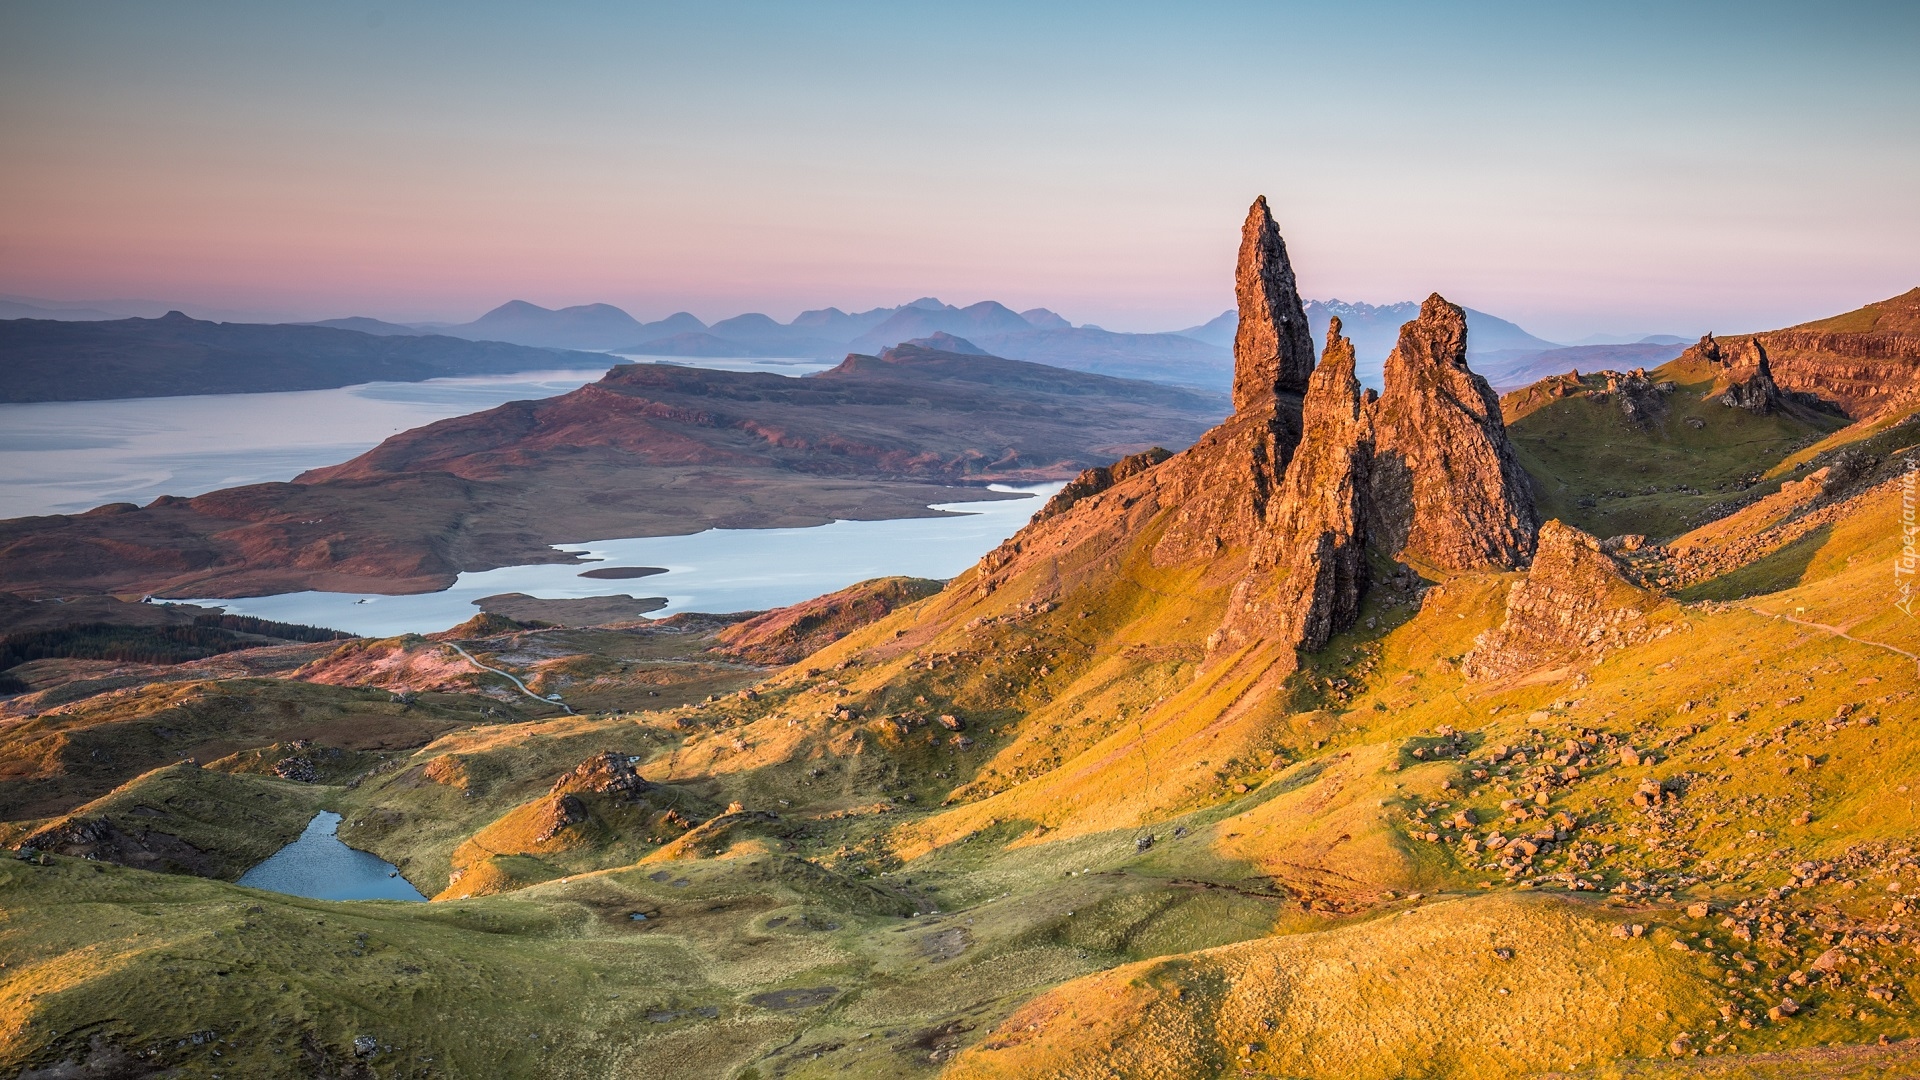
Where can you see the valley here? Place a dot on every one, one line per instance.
(1365, 733)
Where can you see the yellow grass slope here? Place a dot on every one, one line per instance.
(1488, 987)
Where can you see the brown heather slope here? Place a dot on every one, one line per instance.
(648, 450)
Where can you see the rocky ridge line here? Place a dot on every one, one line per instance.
(1282, 500)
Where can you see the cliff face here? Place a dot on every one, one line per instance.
(1445, 484)
(1308, 570)
(1864, 362)
(1224, 487)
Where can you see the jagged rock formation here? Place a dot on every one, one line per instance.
(1642, 400)
(1277, 507)
(1757, 393)
(1309, 569)
(606, 773)
(1445, 484)
(1272, 349)
(1101, 477)
(1234, 470)
(1862, 363)
(1574, 604)
(1322, 517)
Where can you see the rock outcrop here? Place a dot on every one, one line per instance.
(1278, 507)
(1322, 510)
(1445, 485)
(1574, 604)
(1309, 569)
(1101, 477)
(1272, 349)
(1641, 400)
(1756, 392)
(1862, 363)
(1233, 471)
(605, 773)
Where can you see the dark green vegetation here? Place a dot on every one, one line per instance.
(206, 636)
(1685, 463)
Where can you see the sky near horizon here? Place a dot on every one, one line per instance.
(1643, 168)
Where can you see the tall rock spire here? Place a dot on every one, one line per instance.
(1446, 486)
(1322, 509)
(1308, 567)
(1272, 350)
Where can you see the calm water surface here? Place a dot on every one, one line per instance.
(318, 866)
(64, 457)
(717, 570)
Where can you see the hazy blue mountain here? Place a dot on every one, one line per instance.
(1215, 331)
(55, 360)
(586, 326)
(376, 327)
(920, 319)
(1163, 358)
(1631, 339)
(15, 309)
(1045, 320)
(1374, 328)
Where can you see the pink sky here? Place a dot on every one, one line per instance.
(1572, 177)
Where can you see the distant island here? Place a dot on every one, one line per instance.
(49, 360)
(649, 450)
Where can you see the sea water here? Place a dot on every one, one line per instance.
(320, 867)
(719, 570)
(67, 457)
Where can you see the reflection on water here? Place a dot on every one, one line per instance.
(318, 866)
(718, 570)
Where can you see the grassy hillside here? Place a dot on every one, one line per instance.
(1039, 824)
(1595, 468)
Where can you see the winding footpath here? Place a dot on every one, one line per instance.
(515, 679)
(1837, 632)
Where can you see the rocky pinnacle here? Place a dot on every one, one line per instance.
(1272, 350)
(1322, 516)
(1446, 487)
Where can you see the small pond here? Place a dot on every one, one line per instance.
(320, 867)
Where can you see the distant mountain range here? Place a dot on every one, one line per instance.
(53, 360)
(1373, 329)
(1037, 335)
(1198, 356)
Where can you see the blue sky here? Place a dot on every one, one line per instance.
(1577, 168)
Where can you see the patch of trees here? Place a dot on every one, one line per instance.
(208, 635)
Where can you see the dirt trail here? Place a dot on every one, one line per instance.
(1837, 632)
(555, 700)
